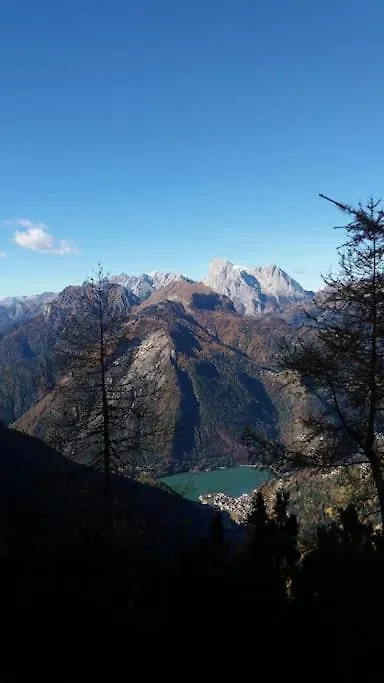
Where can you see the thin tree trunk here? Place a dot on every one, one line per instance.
(370, 438)
(105, 417)
(378, 478)
(373, 457)
(106, 456)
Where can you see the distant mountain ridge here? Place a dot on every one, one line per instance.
(146, 284)
(252, 289)
(19, 308)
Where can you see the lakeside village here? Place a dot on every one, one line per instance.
(239, 507)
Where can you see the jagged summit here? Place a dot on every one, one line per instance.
(16, 308)
(144, 285)
(253, 289)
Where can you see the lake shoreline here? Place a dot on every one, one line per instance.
(231, 481)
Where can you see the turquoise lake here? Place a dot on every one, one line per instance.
(233, 480)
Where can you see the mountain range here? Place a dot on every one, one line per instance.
(202, 355)
(252, 290)
(20, 308)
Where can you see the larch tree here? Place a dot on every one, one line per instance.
(108, 408)
(89, 407)
(338, 356)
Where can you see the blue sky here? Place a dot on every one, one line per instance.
(158, 134)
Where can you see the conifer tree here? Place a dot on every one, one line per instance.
(338, 356)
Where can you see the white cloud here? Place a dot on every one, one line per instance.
(2, 254)
(36, 237)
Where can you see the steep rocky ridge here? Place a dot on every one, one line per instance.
(208, 373)
(254, 290)
(144, 285)
(17, 309)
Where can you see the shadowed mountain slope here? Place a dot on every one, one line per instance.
(204, 372)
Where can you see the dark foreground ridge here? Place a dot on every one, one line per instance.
(170, 573)
(54, 546)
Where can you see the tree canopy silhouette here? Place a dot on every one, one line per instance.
(338, 355)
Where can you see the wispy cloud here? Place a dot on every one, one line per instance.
(36, 237)
(2, 254)
(26, 223)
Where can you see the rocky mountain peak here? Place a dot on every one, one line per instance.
(16, 308)
(253, 289)
(147, 283)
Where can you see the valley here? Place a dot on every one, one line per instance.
(192, 367)
(191, 334)
(201, 371)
